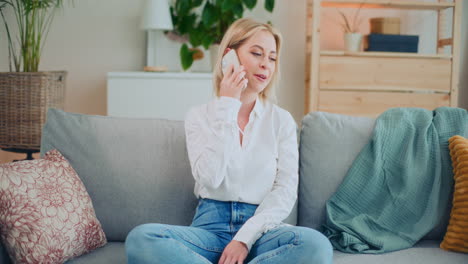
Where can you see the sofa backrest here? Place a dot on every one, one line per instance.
(135, 170)
(329, 143)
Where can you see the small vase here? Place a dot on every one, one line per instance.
(353, 42)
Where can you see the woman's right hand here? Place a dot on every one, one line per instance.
(233, 82)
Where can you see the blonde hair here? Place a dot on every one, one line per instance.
(236, 35)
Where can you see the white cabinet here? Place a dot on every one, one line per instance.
(166, 95)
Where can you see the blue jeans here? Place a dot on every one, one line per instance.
(214, 225)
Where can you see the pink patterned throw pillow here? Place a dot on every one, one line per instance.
(46, 215)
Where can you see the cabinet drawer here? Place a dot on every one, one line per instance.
(384, 74)
(374, 103)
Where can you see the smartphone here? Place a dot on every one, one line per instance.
(228, 59)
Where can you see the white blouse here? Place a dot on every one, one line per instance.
(263, 170)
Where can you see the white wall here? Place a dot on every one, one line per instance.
(92, 38)
(290, 20)
(88, 40)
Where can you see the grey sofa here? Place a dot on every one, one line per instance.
(137, 171)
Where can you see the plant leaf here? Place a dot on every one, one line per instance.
(269, 5)
(347, 26)
(187, 23)
(196, 3)
(227, 5)
(174, 17)
(186, 57)
(196, 37)
(355, 27)
(238, 10)
(197, 54)
(182, 7)
(207, 41)
(250, 4)
(209, 16)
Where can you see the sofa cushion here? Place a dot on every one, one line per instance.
(424, 252)
(46, 215)
(329, 143)
(456, 238)
(135, 170)
(112, 253)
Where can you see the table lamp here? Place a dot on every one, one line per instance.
(156, 17)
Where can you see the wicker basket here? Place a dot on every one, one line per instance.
(24, 100)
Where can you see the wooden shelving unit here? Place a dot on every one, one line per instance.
(417, 5)
(368, 83)
(385, 54)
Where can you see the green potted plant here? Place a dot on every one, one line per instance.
(25, 92)
(204, 22)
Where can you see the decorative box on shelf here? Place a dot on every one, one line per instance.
(167, 95)
(392, 43)
(385, 25)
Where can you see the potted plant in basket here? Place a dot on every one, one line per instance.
(25, 92)
(204, 22)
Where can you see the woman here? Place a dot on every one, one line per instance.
(244, 157)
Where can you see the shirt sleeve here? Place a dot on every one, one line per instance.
(277, 205)
(210, 137)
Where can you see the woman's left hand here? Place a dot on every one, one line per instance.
(234, 253)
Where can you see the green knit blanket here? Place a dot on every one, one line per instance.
(398, 187)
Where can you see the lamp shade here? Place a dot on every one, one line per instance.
(156, 15)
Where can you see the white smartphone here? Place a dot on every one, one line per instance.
(228, 59)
